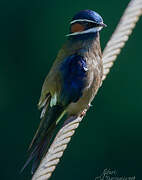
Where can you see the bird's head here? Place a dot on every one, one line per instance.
(86, 22)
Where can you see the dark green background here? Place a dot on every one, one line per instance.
(110, 136)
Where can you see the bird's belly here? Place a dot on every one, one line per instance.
(88, 94)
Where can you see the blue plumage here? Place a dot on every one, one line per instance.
(73, 71)
(89, 15)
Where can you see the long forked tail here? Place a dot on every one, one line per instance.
(41, 140)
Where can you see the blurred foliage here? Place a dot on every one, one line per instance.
(31, 33)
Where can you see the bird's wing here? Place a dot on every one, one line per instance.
(65, 81)
(52, 80)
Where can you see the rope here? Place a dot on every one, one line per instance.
(110, 53)
(121, 34)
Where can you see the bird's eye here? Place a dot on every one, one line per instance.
(91, 24)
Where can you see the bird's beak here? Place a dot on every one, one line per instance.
(103, 25)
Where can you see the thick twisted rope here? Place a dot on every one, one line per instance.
(110, 53)
(120, 36)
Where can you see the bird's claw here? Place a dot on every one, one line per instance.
(83, 113)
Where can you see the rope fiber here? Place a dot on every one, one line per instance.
(117, 41)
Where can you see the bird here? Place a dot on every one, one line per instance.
(72, 81)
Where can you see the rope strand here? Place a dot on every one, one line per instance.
(110, 53)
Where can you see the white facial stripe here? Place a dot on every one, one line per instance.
(92, 30)
(78, 20)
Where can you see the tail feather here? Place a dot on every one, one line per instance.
(41, 148)
(53, 115)
(41, 140)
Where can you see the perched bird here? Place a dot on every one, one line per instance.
(72, 82)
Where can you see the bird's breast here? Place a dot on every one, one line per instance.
(93, 81)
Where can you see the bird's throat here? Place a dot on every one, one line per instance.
(85, 42)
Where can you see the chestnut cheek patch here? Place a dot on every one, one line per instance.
(77, 28)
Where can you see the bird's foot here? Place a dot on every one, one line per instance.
(83, 113)
(85, 110)
(89, 105)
